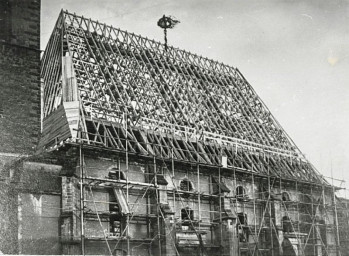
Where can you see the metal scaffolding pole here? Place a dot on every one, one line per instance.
(199, 195)
(338, 251)
(82, 205)
(127, 186)
(270, 216)
(157, 207)
(220, 213)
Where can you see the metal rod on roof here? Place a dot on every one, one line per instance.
(166, 22)
(165, 38)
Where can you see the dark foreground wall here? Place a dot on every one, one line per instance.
(19, 108)
(19, 99)
(19, 75)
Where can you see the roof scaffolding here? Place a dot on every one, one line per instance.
(126, 92)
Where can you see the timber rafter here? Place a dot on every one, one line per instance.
(136, 96)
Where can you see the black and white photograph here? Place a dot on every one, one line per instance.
(174, 127)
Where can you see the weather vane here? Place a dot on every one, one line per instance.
(167, 22)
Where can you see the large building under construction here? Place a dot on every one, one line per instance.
(149, 150)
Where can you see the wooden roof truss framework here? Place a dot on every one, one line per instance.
(134, 96)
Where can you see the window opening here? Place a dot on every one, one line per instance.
(187, 216)
(242, 218)
(1, 109)
(287, 226)
(115, 217)
(115, 226)
(242, 228)
(113, 204)
(285, 197)
(186, 185)
(240, 193)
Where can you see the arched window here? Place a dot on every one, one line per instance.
(240, 192)
(186, 185)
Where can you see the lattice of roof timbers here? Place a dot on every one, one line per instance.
(109, 88)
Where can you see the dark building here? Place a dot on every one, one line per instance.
(20, 76)
(25, 226)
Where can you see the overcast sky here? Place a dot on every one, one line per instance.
(294, 53)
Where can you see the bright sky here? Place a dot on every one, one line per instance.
(294, 53)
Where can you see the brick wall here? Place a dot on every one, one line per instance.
(19, 76)
(20, 99)
(21, 22)
(8, 219)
